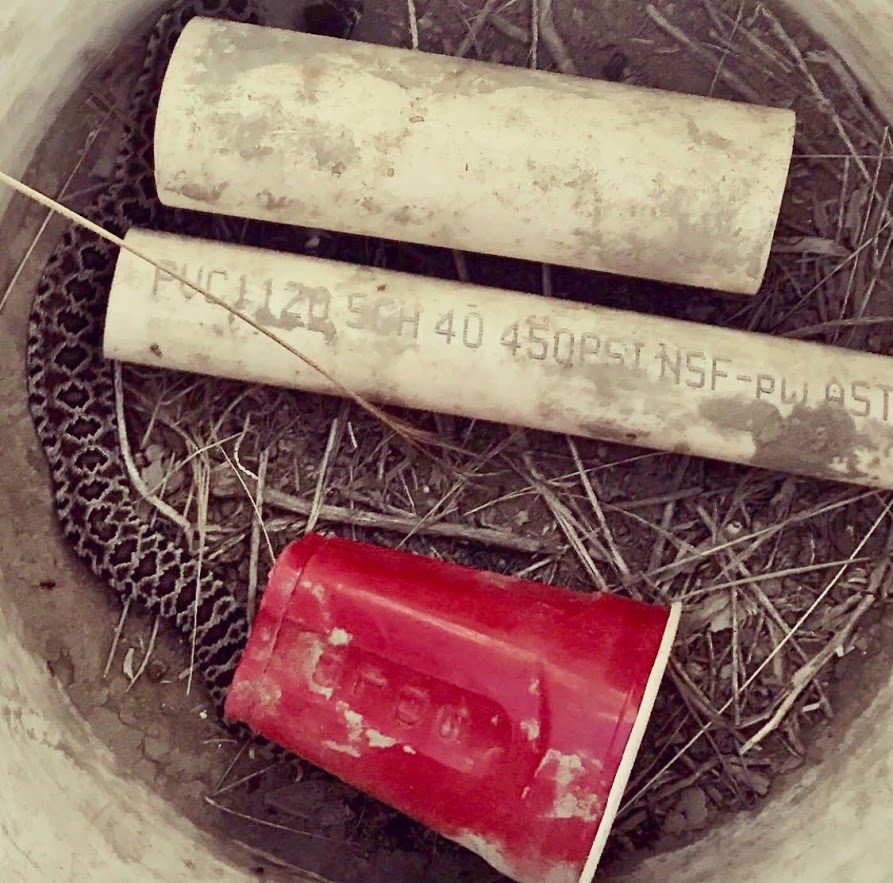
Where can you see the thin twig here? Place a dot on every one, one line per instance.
(761, 534)
(810, 330)
(413, 24)
(475, 29)
(769, 52)
(252, 497)
(63, 193)
(336, 433)
(842, 265)
(658, 500)
(133, 473)
(771, 656)
(257, 527)
(116, 639)
(822, 99)
(552, 39)
(844, 156)
(410, 434)
(682, 784)
(705, 56)
(736, 658)
(565, 521)
(263, 822)
(202, 493)
(835, 63)
(462, 480)
(484, 536)
(509, 29)
(842, 199)
(245, 779)
(727, 49)
(762, 577)
(619, 562)
(534, 33)
(696, 696)
(231, 765)
(880, 255)
(805, 675)
(276, 861)
(146, 656)
(863, 232)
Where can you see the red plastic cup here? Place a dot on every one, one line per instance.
(504, 714)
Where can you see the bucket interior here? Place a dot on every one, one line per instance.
(84, 784)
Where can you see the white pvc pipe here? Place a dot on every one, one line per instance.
(69, 812)
(289, 127)
(498, 355)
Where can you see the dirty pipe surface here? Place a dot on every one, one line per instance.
(498, 355)
(299, 129)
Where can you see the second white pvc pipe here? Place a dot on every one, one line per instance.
(498, 355)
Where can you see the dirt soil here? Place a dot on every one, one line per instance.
(748, 552)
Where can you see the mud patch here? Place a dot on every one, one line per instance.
(823, 439)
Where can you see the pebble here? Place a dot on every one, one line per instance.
(145, 770)
(191, 789)
(54, 649)
(156, 731)
(86, 695)
(674, 824)
(118, 686)
(181, 764)
(693, 805)
(153, 475)
(107, 725)
(99, 694)
(129, 715)
(156, 671)
(62, 669)
(156, 749)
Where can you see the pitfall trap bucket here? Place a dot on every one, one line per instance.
(504, 714)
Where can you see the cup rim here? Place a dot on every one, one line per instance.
(631, 749)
